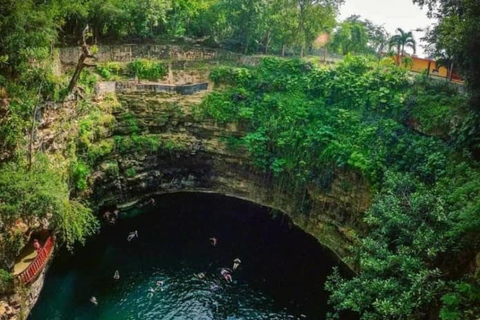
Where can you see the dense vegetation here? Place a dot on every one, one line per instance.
(307, 126)
(411, 140)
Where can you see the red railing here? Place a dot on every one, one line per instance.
(38, 263)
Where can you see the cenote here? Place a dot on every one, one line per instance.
(282, 273)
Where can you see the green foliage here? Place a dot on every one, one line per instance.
(462, 303)
(93, 127)
(110, 70)
(131, 172)
(112, 169)
(12, 242)
(99, 150)
(305, 126)
(409, 231)
(131, 123)
(80, 173)
(42, 193)
(87, 80)
(137, 143)
(173, 145)
(456, 38)
(6, 281)
(350, 37)
(435, 105)
(147, 69)
(402, 40)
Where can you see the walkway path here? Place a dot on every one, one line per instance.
(26, 256)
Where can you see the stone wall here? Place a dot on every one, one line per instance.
(127, 53)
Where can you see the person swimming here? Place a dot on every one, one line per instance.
(131, 235)
(94, 300)
(160, 285)
(116, 276)
(151, 291)
(236, 263)
(226, 275)
(213, 241)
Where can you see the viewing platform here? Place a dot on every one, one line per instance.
(32, 261)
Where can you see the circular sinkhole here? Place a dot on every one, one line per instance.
(281, 275)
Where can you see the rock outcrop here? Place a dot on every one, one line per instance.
(161, 146)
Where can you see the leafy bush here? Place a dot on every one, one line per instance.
(42, 192)
(109, 70)
(80, 173)
(6, 281)
(137, 143)
(112, 169)
(147, 69)
(131, 172)
(99, 150)
(305, 125)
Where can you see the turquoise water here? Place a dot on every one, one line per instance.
(281, 276)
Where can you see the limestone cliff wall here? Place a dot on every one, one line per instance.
(154, 142)
(192, 156)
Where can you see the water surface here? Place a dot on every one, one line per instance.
(282, 273)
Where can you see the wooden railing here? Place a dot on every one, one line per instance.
(37, 265)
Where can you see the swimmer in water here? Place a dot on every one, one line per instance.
(94, 300)
(151, 291)
(160, 285)
(236, 263)
(131, 235)
(213, 241)
(116, 276)
(226, 275)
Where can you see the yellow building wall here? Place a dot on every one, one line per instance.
(420, 64)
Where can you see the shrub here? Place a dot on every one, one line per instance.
(80, 173)
(130, 172)
(112, 169)
(6, 281)
(147, 69)
(99, 150)
(42, 192)
(109, 70)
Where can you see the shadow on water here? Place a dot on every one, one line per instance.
(282, 273)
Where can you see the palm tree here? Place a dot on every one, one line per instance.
(401, 40)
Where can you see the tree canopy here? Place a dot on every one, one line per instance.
(410, 140)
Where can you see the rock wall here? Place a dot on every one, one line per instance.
(159, 144)
(127, 53)
(17, 306)
(190, 154)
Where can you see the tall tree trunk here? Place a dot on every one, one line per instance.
(428, 68)
(267, 41)
(398, 55)
(81, 62)
(283, 50)
(450, 72)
